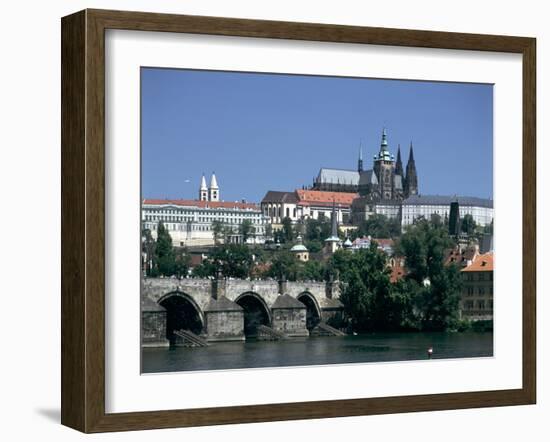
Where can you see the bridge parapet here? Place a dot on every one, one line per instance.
(202, 289)
(317, 289)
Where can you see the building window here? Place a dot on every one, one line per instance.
(481, 290)
(481, 305)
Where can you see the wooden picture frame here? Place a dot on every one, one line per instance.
(83, 220)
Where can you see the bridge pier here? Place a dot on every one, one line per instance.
(153, 324)
(224, 320)
(289, 316)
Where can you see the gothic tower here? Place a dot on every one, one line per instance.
(360, 160)
(411, 180)
(214, 190)
(384, 166)
(203, 191)
(398, 164)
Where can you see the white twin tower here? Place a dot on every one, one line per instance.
(211, 193)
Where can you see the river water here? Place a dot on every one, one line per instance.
(376, 347)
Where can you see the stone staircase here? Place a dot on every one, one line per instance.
(266, 333)
(189, 339)
(323, 329)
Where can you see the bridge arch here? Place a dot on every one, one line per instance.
(313, 311)
(256, 312)
(182, 312)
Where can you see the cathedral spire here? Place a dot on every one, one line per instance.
(399, 164)
(411, 180)
(411, 155)
(384, 143)
(384, 154)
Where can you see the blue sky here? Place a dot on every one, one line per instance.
(262, 132)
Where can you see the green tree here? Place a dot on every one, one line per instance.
(164, 251)
(378, 226)
(284, 264)
(432, 287)
(246, 230)
(206, 269)
(232, 260)
(279, 236)
(312, 270)
(354, 297)
(370, 300)
(182, 262)
(488, 228)
(218, 230)
(317, 230)
(437, 221)
(288, 231)
(314, 246)
(148, 248)
(468, 224)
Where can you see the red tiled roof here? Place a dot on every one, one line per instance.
(319, 197)
(483, 263)
(461, 258)
(202, 204)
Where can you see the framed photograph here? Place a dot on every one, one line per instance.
(267, 220)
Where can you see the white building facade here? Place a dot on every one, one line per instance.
(191, 222)
(417, 206)
(306, 204)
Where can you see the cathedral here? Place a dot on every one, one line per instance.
(381, 190)
(387, 180)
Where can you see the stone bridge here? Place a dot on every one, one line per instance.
(232, 309)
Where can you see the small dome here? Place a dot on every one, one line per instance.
(298, 247)
(347, 243)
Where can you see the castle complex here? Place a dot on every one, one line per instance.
(391, 190)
